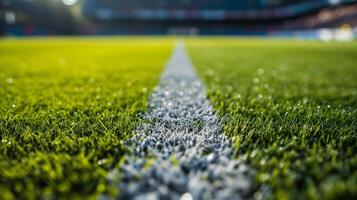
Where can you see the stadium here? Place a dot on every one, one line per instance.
(206, 17)
(185, 99)
(213, 17)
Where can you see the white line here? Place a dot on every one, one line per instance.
(181, 151)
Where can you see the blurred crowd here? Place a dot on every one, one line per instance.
(51, 17)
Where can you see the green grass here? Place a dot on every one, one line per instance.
(66, 107)
(291, 107)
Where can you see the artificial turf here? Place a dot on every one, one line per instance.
(66, 106)
(291, 107)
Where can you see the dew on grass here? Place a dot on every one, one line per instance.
(281, 165)
(253, 153)
(186, 196)
(256, 88)
(102, 161)
(264, 177)
(305, 100)
(77, 89)
(91, 80)
(13, 105)
(209, 72)
(9, 80)
(262, 162)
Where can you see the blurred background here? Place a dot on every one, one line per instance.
(323, 19)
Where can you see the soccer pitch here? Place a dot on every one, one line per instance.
(291, 108)
(68, 105)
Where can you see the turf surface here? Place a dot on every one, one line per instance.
(291, 107)
(66, 106)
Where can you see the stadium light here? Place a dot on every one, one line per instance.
(10, 17)
(334, 2)
(69, 2)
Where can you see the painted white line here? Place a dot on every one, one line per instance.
(180, 150)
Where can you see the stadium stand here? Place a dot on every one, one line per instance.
(35, 17)
(244, 17)
(206, 16)
(202, 9)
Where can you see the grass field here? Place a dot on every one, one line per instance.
(66, 106)
(291, 107)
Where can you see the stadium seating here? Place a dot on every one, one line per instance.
(201, 9)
